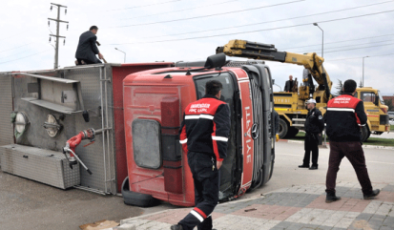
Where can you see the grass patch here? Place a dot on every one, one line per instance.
(379, 141)
(371, 141)
(391, 127)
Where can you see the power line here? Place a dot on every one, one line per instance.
(25, 57)
(142, 6)
(334, 48)
(16, 47)
(255, 31)
(339, 41)
(279, 20)
(210, 15)
(358, 57)
(360, 48)
(191, 8)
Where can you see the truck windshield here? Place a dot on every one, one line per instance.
(368, 96)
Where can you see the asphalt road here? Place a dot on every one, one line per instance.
(26, 204)
(29, 205)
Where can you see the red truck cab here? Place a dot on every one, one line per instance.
(154, 102)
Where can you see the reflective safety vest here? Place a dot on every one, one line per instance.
(345, 114)
(206, 126)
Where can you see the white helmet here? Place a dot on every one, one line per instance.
(311, 101)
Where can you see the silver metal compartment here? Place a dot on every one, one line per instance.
(46, 166)
(95, 82)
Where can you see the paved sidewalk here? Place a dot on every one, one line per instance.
(298, 207)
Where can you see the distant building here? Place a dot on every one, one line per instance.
(386, 98)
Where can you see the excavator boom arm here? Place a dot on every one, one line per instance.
(260, 51)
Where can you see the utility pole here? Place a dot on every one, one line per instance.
(57, 36)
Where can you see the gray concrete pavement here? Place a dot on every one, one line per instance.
(380, 164)
(27, 204)
(384, 135)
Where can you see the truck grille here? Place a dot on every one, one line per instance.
(384, 119)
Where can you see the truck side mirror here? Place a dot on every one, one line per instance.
(376, 100)
(215, 61)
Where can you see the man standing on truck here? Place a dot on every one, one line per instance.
(204, 134)
(289, 84)
(314, 125)
(87, 49)
(344, 116)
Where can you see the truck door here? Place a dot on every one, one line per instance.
(230, 171)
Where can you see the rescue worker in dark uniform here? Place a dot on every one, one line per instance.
(87, 49)
(314, 125)
(204, 134)
(345, 114)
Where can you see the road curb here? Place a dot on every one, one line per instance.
(328, 144)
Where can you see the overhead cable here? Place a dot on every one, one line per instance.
(210, 15)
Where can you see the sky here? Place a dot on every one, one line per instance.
(190, 30)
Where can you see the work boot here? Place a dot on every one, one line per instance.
(303, 166)
(313, 167)
(372, 195)
(176, 227)
(331, 197)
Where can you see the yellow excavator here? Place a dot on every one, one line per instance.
(291, 105)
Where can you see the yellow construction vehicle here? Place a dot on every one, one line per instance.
(376, 110)
(291, 105)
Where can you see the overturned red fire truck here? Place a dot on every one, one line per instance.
(153, 104)
(131, 114)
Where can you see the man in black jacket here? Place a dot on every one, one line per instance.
(289, 84)
(204, 134)
(87, 49)
(314, 125)
(344, 116)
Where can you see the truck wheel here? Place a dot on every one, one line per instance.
(292, 132)
(135, 198)
(365, 133)
(283, 128)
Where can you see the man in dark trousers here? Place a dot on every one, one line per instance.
(289, 84)
(344, 116)
(204, 134)
(314, 125)
(87, 49)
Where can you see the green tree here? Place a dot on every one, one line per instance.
(389, 103)
(339, 88)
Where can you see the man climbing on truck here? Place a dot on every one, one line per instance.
(204, 134)
(87, 49)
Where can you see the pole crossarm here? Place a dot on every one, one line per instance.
(58, 36)
(58, 5)
(56, 20)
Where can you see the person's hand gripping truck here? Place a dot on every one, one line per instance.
(72, 143)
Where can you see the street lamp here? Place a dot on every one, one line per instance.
(363, 70)
(123, 53)
(322, 43)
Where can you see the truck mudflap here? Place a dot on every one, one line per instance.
(261, 132)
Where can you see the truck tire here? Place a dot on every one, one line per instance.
(135, 198)
(292, 132)
(365, 133)
(283, 128)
